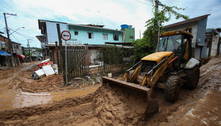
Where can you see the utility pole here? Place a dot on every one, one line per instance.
(60, 60)
(8, 36)
(29, 49)
(156, 7)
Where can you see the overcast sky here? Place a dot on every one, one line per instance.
(111, 13)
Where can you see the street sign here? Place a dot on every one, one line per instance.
(65, 35)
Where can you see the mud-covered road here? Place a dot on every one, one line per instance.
(106, 106)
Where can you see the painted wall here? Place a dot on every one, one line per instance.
(97, 37)
(82, 37)
(129, 34)
(52, 34)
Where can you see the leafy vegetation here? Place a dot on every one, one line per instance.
(148, 43)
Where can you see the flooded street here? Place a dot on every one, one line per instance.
(16, 98)
(110, 63)
(11, 99)
(7, 98)
(44, 102)
(206, 112)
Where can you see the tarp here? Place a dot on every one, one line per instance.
(3, 53)
(20, 56)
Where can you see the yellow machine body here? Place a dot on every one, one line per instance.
(157, 56)
(163, 60)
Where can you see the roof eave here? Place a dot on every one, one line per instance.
(192, 20)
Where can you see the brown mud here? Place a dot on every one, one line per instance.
(110, 106)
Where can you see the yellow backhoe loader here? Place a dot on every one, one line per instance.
(169, 68)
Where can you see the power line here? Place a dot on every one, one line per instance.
(24, 35)
(21, 34)
(15, 38)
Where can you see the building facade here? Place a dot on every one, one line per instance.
(80, 33)
(129, 33)
(94, 34)
(213, 41)
(197, 26)
(5, 56)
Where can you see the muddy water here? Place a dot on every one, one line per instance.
(207, 111)
(10, 99)
(60, 95)
(6, 97)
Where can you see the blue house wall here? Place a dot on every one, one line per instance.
(97, 35)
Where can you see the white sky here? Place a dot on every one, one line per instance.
(111, 13)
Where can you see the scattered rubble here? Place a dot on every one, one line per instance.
(46, 68)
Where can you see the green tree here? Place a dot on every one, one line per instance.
(148, 43)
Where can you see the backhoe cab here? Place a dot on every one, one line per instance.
(169, 68)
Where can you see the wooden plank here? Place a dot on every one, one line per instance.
(124, 83)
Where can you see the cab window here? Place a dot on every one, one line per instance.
(170, 43)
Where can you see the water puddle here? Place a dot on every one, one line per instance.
(10, 99)
(26, 99)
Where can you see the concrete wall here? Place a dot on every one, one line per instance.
(215, 42)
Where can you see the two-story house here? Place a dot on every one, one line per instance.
(94, 36)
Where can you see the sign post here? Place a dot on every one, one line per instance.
(66, 35)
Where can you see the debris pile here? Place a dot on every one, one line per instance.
(46, 68)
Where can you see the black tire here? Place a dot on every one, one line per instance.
(192, 78)
(172, 88)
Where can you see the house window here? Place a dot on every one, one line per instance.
(105, 36)
(90, 35)
(75, 32)
(116, 37)
(131, 37)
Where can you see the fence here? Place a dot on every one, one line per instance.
(76, 61)
(116, 59)
(111, 59)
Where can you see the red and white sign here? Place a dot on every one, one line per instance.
(66, 35)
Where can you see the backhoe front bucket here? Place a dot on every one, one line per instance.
(137, 92)
(116, 82)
